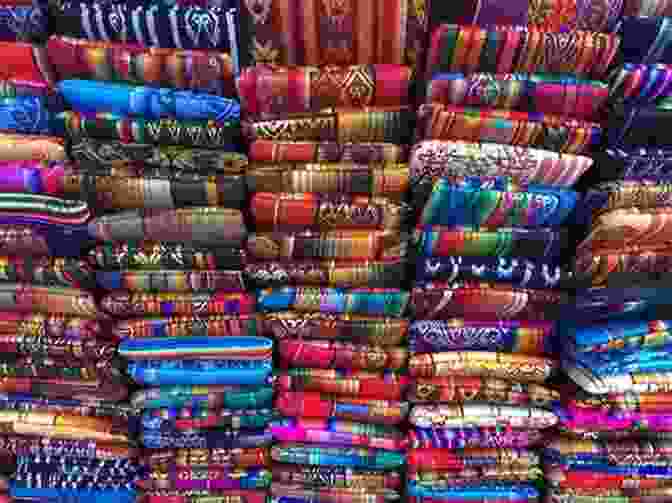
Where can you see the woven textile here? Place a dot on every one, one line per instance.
(356, 329)
(473, 437)
(335, 476)
(600, 418)
(333, 354)
(318, 405)
(342, 125)
(89, 96)
(102, 125)
(71, 349)
(484, 301)
(15, 147)
(633, 126)
(643, 8)
(56, 326)
(168, 419)
(286, 492)
(24, 22)
(201, 373)
(636, 402)
(214, 479)
(564, 96)
(220, 496)
(439, 459)
(645, 40)
(27, 298)
(199, 226)
(224, 348)
(26, 115)
(518, 493)
(43, 209)
(519, 49)
(497, 203)
(266, 151)
(123, 304)
(640, 84)
(29, 63)
(242, 458)
(300, 212)
(188, 326)
(464, 389)
(310, 32)
(197, 70)
(205, 397)
(473, 475)
(569, 448)
(207, 439)
(521, 368)
(561, 134)
(653, 382)
(351, 457)
(618, 334)
(172, 281)
(45, 271)
(266, 91)
(153, 24)
(379, 386)
(383, 179)
(627, 194)
(99, 386)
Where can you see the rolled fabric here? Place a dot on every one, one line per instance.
(164, 158)
(523, 368)
(473, 437)
(204, 71)
(497, 203)
(57, 326)
(187, 326)
(655, 8)
(152, 255)
(435, 459)
(26, 115)
(379, 386)
(548, 94)
(172, 281)
(266, 151)
(334, 354)
(335, 476)
(89, 96)
(524, 337)
(339, 327)
(27, 62)
(101, 125)
(481, 415)
(18, 147)
(122, 304)
(168, 419)
(210, 226)
(516, 271)
(290, 493)
(349, 457)
(637, 84)
(437, 241)
(365, 301)
(206, 439)
(318, 405)
(23, 22)
(199, 372)
(384, 179)
(300, 212)
(461, 389)
(519, 493)
(552, 132)
(343, 274)
(376, 32)
(47, 271)
(150, 24)
(205, 397)
(351, 246)
(310, 89)
(645, 40)
(27, 298)
(507, 49)
(193, 479)
(342, 125)
(484, 301)
(225, 348)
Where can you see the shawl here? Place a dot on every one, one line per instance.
(89, 96)
(342, 125)
(207, 372)
(520, 49)
(121, 304)
(357, 329)
(310, 89)
(558, 133)
(29, 62)
(147, 23)
(640, 84)
(515, 271)
(160, 158)
(317, 212)
(211, 226)
(343, 274)
(469, 242)
(165, 460)
(473, 437)
(175, 419)
(464, 389)
(484, 301)
(263, 151)
(365, 301)
(218, 348)
(172, 281)
(319, 405)
(547, 94)
(27, 298)
(211, 479)
(23, 22)
(26, 115)
(103, 125)
(378, 179)
(188, 326)
(645, 40)
(338, 432)
(334, 354)
(643, 8)
(156, 255)
(47, 271)
(496, 492)
(617, 335)
(350, 457)
(204, 71)
(497, 203)
(335, 476)
(285, 493)
(206, 439)
(18, 147)
(376, 385)
(515, 367)
(524, 337)
(205, 397)
(434, 459)
(311, 32)
(56, 326)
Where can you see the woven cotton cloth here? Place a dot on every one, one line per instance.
(124, 304)
(335, 476)
(474, 437)
(640, 84)
(496, 492)
(188, 326)
(618, 334)
(16, 147)
(267, 151)
(26, 115)
(172, 281)
(351, 457)
(375, 385)
(284, 492)
(439, 459)
(213, 479)
(645, 40)
(205, 397)
(23, 22)
(633, 164)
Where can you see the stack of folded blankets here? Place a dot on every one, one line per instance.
(154, 127)
(616, 428)
(489, 280)
(329, 115)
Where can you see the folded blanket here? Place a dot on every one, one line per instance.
(481, 415)
(640, 84)
(201, 496)
(80, 495)
(266, 151)
(655, 8)
(286, 493)
(163, 461)
(204, 397)
(632, 126)
(172, 281)
(211, 479)
(629, 268)
(334, 354)
(379, 386)
(23, 22)
(655, 382)
(27, 298)
(645, 40)
(124, 305)
(618, 335)
(207, 439)
(335, 476)
(47, 271)
(176, 419)
(57, 326)
(467, 437)
(495, 492)
(436, 459)
(169, 372)
(27, 115)
(188, 326)
(224, 348)
(29, 62)
(18, 147)
(351, 457)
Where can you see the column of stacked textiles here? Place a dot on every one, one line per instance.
(155, 127)
(329, 176)
(616, 430)
(490, 279)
